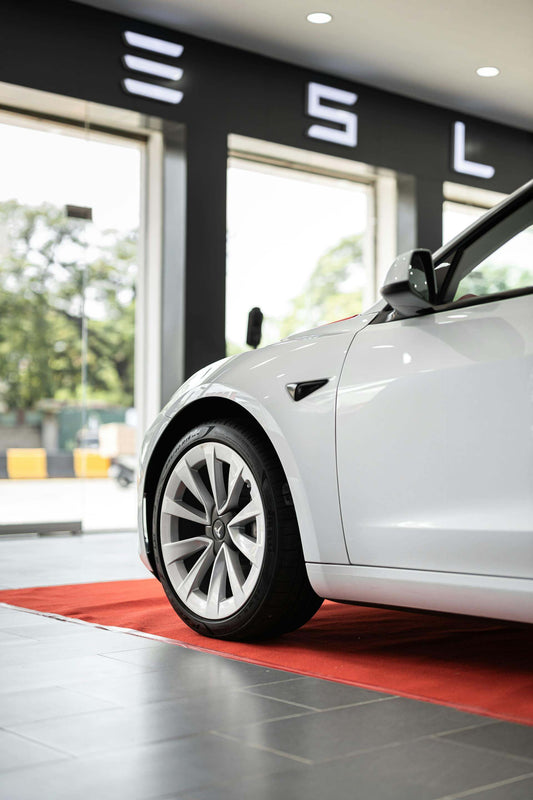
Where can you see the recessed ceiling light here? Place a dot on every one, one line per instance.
(319, 17)
(487, 72)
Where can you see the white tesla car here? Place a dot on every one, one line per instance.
(385, 459)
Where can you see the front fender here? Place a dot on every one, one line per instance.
(302, 433)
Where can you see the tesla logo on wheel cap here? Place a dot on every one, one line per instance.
(218, 529)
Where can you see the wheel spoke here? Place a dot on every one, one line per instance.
(249, 513)
(217, 584)
(176, 551)
(197, 573)
(192, 480)
(179, 509)
(216, 476)
(247, 546)
(235, 574)
(235, 484)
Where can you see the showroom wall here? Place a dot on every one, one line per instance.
(71, 49)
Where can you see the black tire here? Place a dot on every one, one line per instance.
(282, 598)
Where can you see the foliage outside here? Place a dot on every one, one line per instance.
(490, 278)
(326, 297)
(53, 271)
(329, 294)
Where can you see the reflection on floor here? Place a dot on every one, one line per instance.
(87, 712)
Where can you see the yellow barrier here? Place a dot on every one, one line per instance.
(26, 462)
(90, 464)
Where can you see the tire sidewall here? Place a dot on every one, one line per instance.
(236, 438)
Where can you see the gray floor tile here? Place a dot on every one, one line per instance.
(128, 727)
(17, 752)
(328, 734)
(163, 656)
(422, 770)
(32, 625)
(32, 652)
(165, 768)
(503, 737)
(145, 687)
(510, 790)
(316, 693)
(79, 641)
(202, 675)
(7, 637)
(46, 703)
(113, 642)
(35, 628)
(58, 560)
(5, 609)
(60, 672)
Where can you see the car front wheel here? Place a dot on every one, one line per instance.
(227, 544)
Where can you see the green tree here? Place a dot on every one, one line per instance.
(327, 295)
(53, 272)
(490, 278)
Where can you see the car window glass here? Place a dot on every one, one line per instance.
(499, 261)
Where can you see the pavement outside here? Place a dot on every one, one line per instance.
(100, 503)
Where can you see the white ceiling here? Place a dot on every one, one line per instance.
(428, 49)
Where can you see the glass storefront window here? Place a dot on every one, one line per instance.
(299, 247)
(67, 314)
(463, 205)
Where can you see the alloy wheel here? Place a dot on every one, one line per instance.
(212, 524)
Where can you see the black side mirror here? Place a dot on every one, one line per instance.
(410, 286)
(255, 324)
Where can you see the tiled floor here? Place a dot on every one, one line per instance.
(55, 560)
(91, 713)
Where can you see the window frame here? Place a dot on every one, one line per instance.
(453, 252)
(450, 254)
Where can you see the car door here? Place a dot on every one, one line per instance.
(435, 420)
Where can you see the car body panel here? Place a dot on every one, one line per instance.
(437, 404)
(302, 433)
(456, 593)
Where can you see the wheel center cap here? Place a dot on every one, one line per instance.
(219, 529)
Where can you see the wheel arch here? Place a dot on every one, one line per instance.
(189, 416)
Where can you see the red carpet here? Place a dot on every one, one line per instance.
(484, 666)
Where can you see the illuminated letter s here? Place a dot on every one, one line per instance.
(347, 135)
